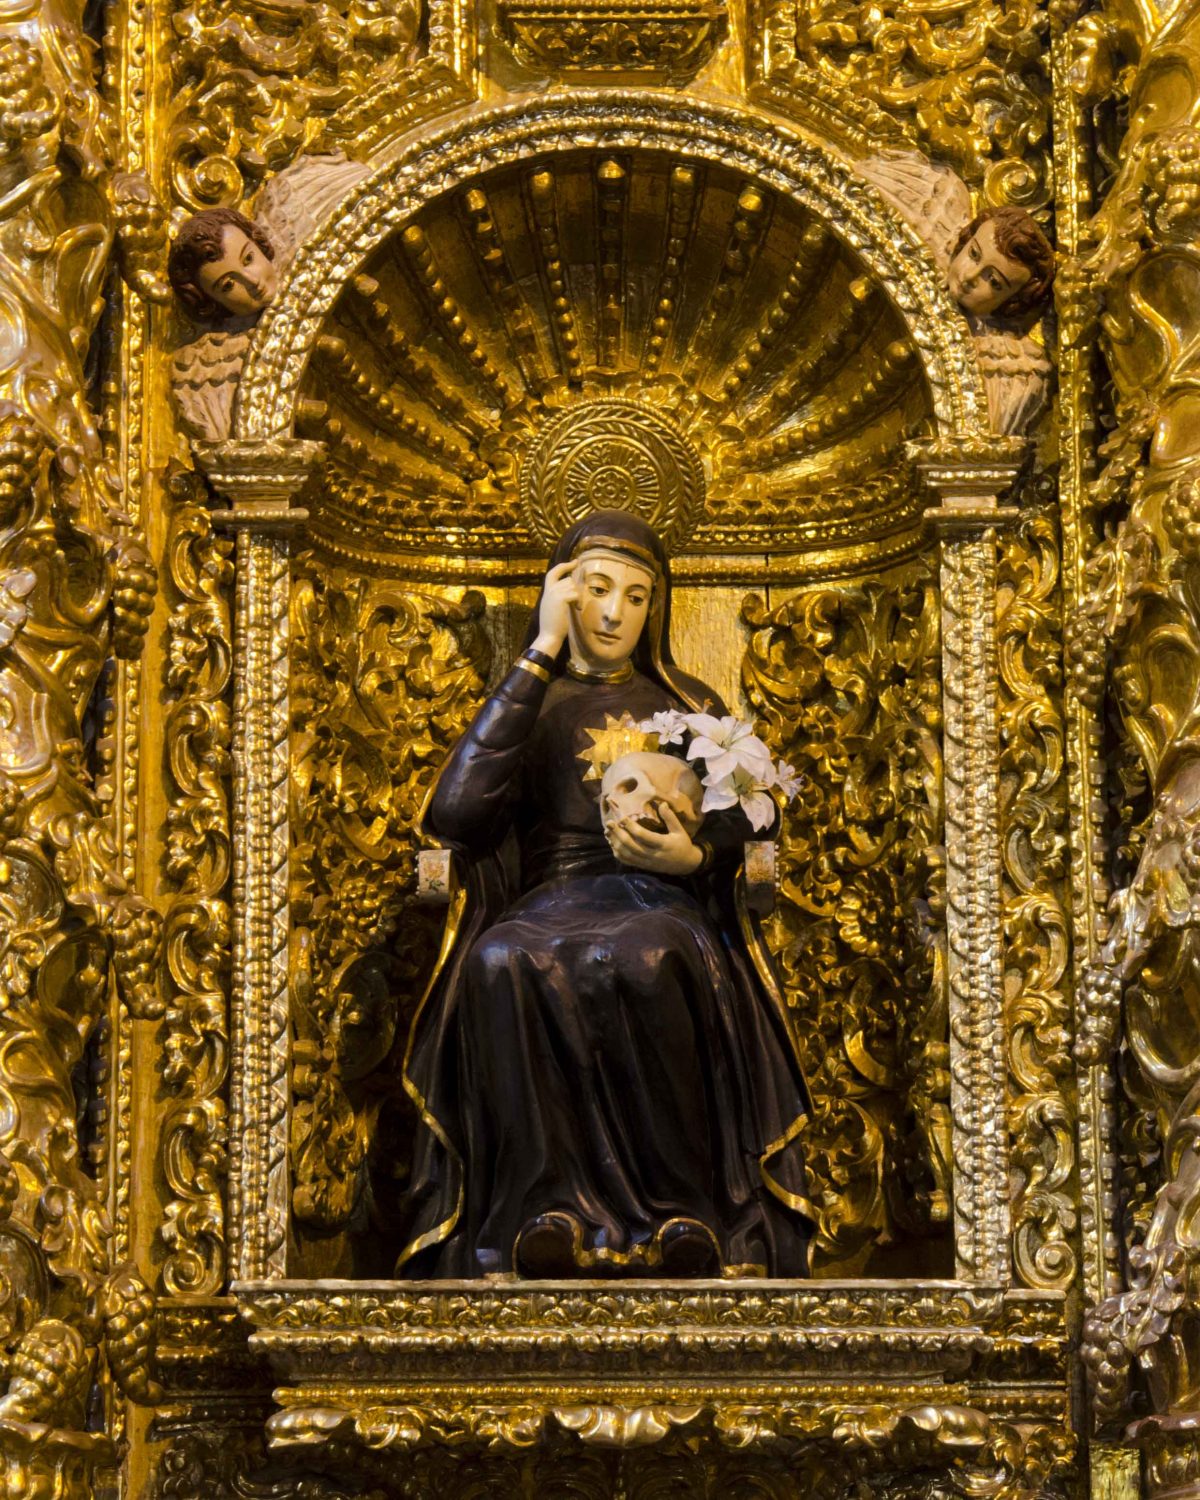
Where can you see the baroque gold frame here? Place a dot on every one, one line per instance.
(975, 1374)
(351, 1354)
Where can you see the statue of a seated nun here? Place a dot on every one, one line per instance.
(602, 1065)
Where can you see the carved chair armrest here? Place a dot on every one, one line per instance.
(758, 867)
(436, 878)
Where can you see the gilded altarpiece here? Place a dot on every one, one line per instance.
(520, 260)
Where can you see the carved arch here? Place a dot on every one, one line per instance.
(416, 172)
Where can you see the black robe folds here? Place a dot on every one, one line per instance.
(598, 1042)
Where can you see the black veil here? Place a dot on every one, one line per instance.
(621, 531)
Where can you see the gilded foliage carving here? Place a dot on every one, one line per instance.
(255, 85)
(836, 1444)
(223, 1461)
(1033, 816)
(384, 680)
(1137, 633)
(967, 83)
(76, 590)
(1142, 613)
(846, 684)
(197, 865)
(227, 1463)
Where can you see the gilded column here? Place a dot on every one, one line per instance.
(1078, 438)
(969, 483)
(260, 479)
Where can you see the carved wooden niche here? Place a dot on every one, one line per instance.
(782, 381)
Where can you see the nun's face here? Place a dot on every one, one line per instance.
(610, 609)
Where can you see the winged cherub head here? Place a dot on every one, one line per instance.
(222, 266)
(1002, 264)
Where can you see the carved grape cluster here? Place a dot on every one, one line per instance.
(1181, 518)
(136, 930)
(141, 225)
(10, 1188)
(27, 109)
(134, 587)
(1171, 190)
(1189, 853)
(361, 905)
(129, 1310)
(12, 801)
(1109, 1360)
(139, 217)
(1131, 1322)
(1086, 653)
(1077, 300)
(1100, 1007)
(21, 449)
(48, 1375)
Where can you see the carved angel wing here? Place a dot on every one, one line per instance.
(1018, 375)
(204, 377)
(297, 199)
(932, 198)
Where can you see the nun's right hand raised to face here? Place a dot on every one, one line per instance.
(559, 592)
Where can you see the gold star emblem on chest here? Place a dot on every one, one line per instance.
(618, 737)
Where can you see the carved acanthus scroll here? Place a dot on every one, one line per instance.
(1139, 629)
(76, 588)
(385, 679)
(197, 922)
(966, 84)
(254, 87)
(846, 683)
(1033, 815)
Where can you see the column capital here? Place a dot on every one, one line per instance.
(260, 478)
(954, 523)
(969, 476)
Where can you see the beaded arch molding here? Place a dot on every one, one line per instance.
(415, 173)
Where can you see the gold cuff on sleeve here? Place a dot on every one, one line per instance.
(531, 666)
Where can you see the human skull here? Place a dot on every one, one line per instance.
(636, 785)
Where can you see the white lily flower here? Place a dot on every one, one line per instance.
(788, 780)
(728, 744)
(742, 788)
(669, 724)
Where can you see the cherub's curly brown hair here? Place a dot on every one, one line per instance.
(197, 243)
(1020, 238)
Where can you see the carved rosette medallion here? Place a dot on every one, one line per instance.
(612, 455)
